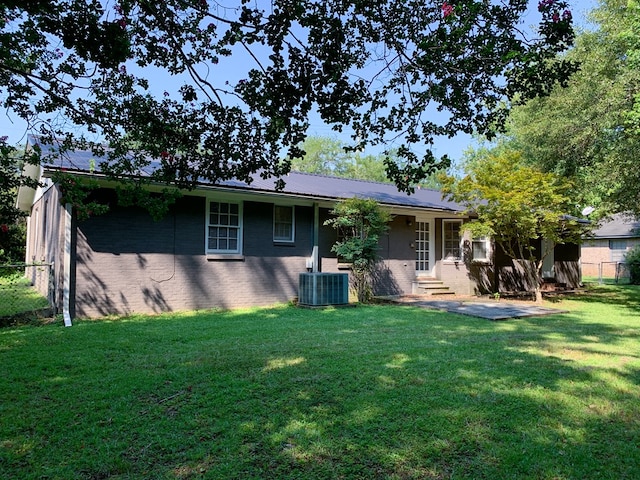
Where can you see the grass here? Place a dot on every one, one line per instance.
(370, 392)
(17, 296)
(625, 280)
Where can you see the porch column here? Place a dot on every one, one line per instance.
(316, 236)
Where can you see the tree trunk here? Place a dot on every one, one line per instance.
(538, 281)
(538, 293)
(362, 285)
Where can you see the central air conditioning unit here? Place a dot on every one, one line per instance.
(317, 289)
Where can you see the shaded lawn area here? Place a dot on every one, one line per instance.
(368, 392)
(18, 296)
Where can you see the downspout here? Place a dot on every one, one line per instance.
(66, 262)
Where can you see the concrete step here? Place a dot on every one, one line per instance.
(430, 286)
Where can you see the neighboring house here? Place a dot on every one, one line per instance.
(232, 244)
(606, 246)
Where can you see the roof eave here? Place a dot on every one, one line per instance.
(104, 181)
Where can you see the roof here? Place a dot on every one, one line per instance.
(620, 225)
(305, 184)
(296, 184)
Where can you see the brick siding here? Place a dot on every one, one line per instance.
(597, 255)
(128, 263)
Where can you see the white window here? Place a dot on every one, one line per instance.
(224, 227)
(618, 249)
(451, 239)
(283, 223)
(480, 249)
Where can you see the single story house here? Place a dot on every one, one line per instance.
(606, 246)
(232, 244)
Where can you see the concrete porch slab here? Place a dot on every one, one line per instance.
(489, 310)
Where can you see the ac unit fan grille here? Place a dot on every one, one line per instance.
(323, 289)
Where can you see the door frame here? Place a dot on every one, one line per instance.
(432, 246)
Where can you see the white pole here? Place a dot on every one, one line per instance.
(316, 235)
(600, 273)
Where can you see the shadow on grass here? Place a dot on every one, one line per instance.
(21, 303)
(627, 296)
(370, 392)
(42, 316)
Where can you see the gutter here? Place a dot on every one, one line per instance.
(26, 195)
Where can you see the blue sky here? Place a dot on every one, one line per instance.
(15, 129)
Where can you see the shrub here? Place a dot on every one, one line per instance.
(12, 242)
(359, 223)
(632, 259)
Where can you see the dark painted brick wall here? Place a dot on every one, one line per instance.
(396, 269)
(129, 263)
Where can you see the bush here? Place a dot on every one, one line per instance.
(359, 223)
(12, 242)
(632, 259)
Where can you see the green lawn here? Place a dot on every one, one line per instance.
(368, 392)
(17, 296)
(607, 280)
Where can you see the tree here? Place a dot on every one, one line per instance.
(515, 205)
(12, 226)
(322, 155)
(632, 259)
(590, 130)
(359, 223)
(328, 156)
(87, 73)
(368, 167)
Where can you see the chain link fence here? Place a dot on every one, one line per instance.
(26, 292)
(607, 272)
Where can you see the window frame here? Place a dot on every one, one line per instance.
(618, 248)
(239, 227)
(446, 258)
(487, 247)
(292, 237)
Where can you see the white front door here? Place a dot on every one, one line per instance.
(424, 247)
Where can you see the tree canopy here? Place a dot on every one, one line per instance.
(328, 156)
(515, 205)
(590, 130)
(398, 73)
(12, 227)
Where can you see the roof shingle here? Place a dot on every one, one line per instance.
(296, 183)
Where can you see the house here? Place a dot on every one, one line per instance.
(607, 245)
(232, 244)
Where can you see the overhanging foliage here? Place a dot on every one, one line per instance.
(89, 73)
